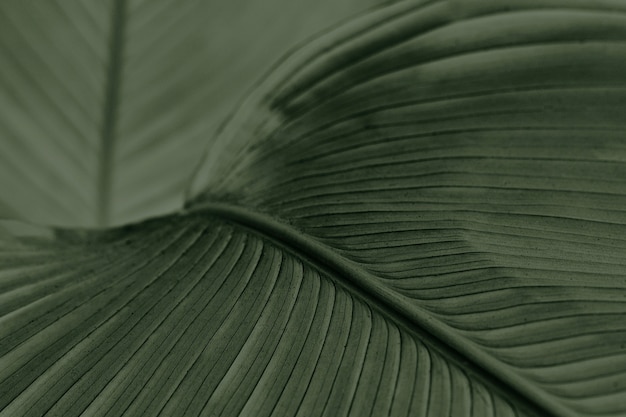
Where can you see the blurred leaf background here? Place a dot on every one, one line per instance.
(107, 106)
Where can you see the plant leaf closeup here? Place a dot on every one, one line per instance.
(198, 317)
(107, 105)
(419, 213)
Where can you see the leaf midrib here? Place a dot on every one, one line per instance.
(416, 320)
(109, 117)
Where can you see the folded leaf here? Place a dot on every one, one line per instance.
(419, 213)
(468, 158)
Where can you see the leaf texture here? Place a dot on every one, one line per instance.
(469, 158)
(52, 80)
(420, 213)
(195, 316)
(107, 105)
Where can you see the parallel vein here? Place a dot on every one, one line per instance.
(369, 288)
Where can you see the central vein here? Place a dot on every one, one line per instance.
(109, 119)
(429, 329)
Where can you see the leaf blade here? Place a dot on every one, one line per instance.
(90, 134)
(500, 236)
(47, 88)
(476, 175)
(181, 332)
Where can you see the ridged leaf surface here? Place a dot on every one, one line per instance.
(420, 213)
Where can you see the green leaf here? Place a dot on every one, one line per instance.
(420, 213)
(196, 316)
(107, 105)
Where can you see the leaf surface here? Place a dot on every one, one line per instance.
(107, 105)
(420, 213)
(197, 316)
(468, 157)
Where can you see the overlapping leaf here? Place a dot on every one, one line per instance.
(421, 213)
